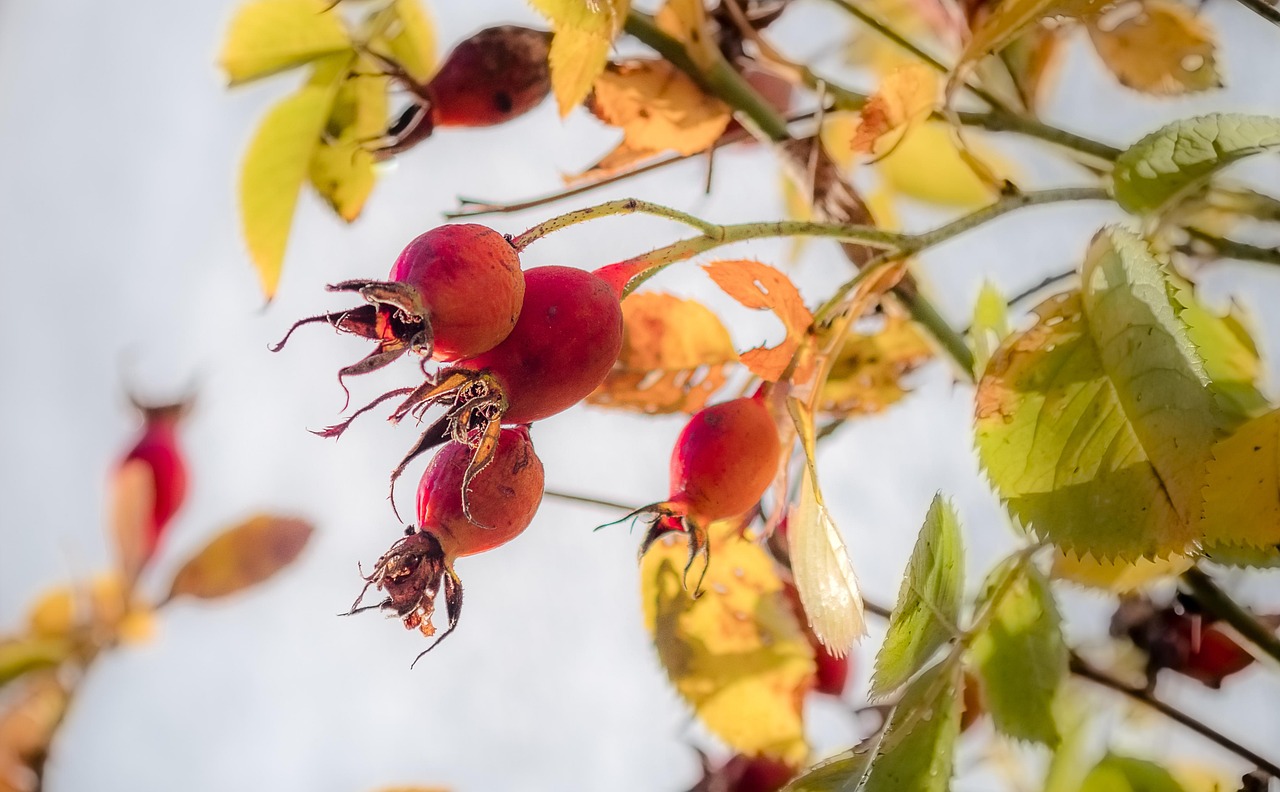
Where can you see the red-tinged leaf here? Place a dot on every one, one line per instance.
(905, 98)
(240, 557)
(133, 491)
(762, 287)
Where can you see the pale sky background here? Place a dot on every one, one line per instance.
(119, 241)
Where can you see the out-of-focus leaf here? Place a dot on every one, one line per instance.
(820, 562)
(762, 287)
(866, 377)
(1242, 496)
(105, 607)
(584, 32)
(928, 609)
(686, 21)
(1033, 61)
(277, 162)
(1020, 654)
(22, 655)
(918, 747)
(1157, 47)
(737, 653)
(1176, 159)
(410, 38)
(27, 725)
(1069, 764)
(1231, 358)
(1125, 774)
(1010, 18)
(927, 166)
(270, 36)
(840, 773)
(1118, 576)
(990, 324)
(342, 169)
(240, 557)
(903, 100)
(1095, 424)
(673, 359)
(658, 108)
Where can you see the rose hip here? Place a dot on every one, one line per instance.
(504, 497)
(496, 75)
(159, 451)
(452, 293)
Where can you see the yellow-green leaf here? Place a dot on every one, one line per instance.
(342, 168)
(1158, 47)
(1118, 577)
(990, 324)
(1124, 774)
(1096, 423)
(927, 612)
(673, 359)
(584, 33)
(1242, 496)
(270, 36)
(1020, 654)
(737, 653)
(1177, 159)
(276, 163)
(240, 557)
(1230, 355)
(927, 166)
(411, 38)
(19, 656)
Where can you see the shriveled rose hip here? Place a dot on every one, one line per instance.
(503, 498)
(490, 78)
(453, 292)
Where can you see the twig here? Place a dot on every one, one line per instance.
(1220, 604)
(1263, 9)
(1231, 248)
(607, 504)
(1081, 668)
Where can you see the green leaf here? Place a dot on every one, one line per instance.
(271, 36)
(1095, 424)
(990, 324)
(1020, 655)
(1069, 764)
(1125, 774)
(1231, 358)
(277, 162)
(841, 773)
(918, 746)
(1174, 160)
(928, 607)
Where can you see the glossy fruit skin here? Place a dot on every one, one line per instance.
(565, 342)
(724, 459)
(504, 496)
(490, 78)
(158, 449)
(470, 282)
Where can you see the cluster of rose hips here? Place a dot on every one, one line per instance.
(512, 347)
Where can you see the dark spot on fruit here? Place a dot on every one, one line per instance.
(507, 492)
(502, 101)
(552, 311)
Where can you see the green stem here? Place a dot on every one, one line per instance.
(1231, 248)
(1220, 604)
(624, 206)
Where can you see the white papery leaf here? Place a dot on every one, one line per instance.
(823, 572)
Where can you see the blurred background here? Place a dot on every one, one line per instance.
(124, 264)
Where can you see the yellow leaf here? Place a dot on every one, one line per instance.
(243, 556)
(737, 654)
(673, 358)
(1158, 47)
(584, 32)
(658, 108)
(270, 36)
(927, 166)
(1242, 488)
(104, 607)
(905, 98)
(686, 22)
(820, 562)
(278, 159)
(1118, 576)
(762, 287)
(837, 131)
(342, 169)
(866, 375)
(411, 39)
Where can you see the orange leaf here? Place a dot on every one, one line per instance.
(673, 357)
(1157, 47)
(760, 286)
(905, 98)
(240, 557)
(657, 108)
(27, 725)
(133, 492)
